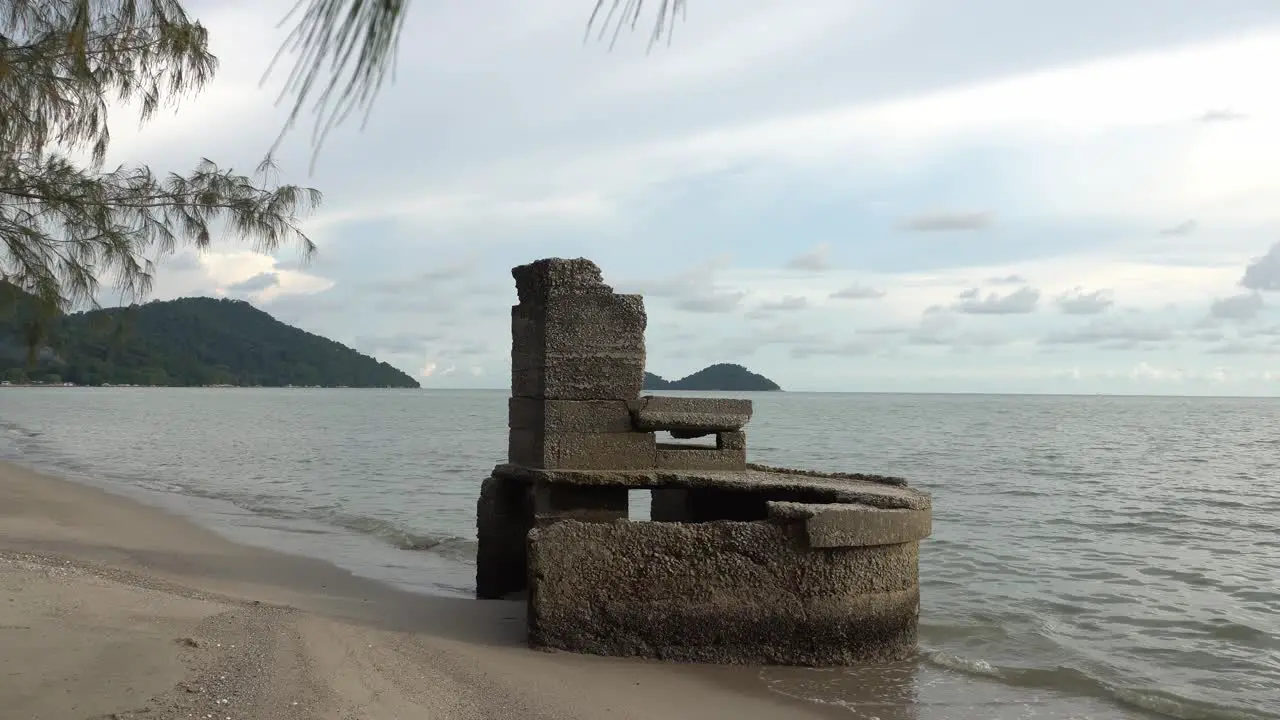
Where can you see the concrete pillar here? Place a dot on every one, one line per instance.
(504, 516)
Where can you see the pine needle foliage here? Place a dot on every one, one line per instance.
(68, 222)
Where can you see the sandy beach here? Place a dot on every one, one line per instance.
(114, 609)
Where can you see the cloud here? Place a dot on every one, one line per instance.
(1244, 306)
(403, 343)
(1014, 279)
(1213, 116)
(712, 302)
(940, 327)
(947, 222)
(1241, 347)
(183, 261)
(1182, 229)
(452, 272)
(1113, 333)
(694, 290)
(849, 348)
(1019, 302)
(788, 303)
(817, 259)
(1263, 273)
(1078, 302)
(857, 292)
(257, 283)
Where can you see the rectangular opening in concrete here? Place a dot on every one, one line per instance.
(639, 505)
(666, 438)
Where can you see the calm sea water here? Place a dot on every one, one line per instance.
(1092, 556)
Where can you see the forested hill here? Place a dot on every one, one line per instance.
(723, 376)
(190, 341)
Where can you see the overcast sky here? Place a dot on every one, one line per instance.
(897, 195)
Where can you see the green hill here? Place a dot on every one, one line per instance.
(185, 342)
(722, 376)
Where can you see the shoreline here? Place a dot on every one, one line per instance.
(144, 611)
(128, 609)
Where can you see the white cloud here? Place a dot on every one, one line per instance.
(1263, 273)
(1019, 302)
(947, 222)
(1079, 302)
(229, 269)
(1245, 306)
(816, 260)
(856, 291)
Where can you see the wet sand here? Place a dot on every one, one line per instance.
(113, 609)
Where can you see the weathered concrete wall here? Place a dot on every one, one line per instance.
(827, 526)
(581, 451)
(722, 592)
(572, 337)
(577, 359)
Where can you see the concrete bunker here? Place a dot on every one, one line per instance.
(739, 563)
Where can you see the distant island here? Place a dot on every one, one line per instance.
(719, 377)
(195, 341)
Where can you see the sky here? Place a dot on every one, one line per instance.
(843, 195)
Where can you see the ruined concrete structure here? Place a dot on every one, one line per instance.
(740, 563)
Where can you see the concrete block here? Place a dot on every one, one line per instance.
(584, 325)
(504, 517)
(581, 451)
(580, 378)
(690, 417)
(831, 526)
(725, 592)
(576, 416)
(555, 503)
(675, 456)
(557, 277)
(732, 441)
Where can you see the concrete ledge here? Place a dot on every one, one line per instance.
(675, 456)
(833, 526)
(771, 484)
(721, 592)
(690, 417)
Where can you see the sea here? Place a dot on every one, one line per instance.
(1092, 557)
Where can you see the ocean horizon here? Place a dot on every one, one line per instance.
(712, 393)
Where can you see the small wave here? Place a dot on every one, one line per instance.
(18, 430)
(394, 534)
(1070, 679)
(450, 546)
(972, 666)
